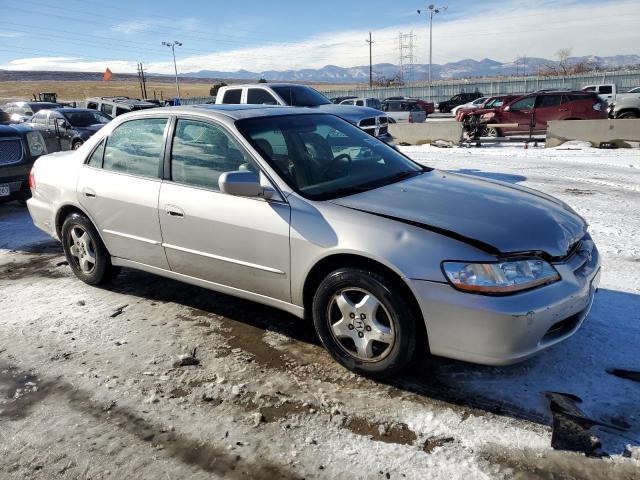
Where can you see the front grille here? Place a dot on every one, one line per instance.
(368, 122)
(10, 151)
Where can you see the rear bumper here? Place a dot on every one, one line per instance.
(507, 329)
(18, 186)
(42, 215)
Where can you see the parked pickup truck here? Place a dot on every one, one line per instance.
(368, 119)
(626, 107)
(609, 92)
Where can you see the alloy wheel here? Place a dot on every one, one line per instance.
(361, 324)
(82, 249)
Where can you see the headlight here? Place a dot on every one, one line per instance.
(500, 277)
(36, 143)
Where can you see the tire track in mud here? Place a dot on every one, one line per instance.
(180, 447)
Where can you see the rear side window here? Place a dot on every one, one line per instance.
(106, 108)
(134, 147)
(232, 96)
(360, 103)
(201, 152)
(545, 101)
(258, 96)
(120, 111)
(573, 97)
(606, 89)
(95, 160)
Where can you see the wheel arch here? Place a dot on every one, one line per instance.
(65, 210)
(340, 260)
(628, 110)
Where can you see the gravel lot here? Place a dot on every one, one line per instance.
(93, 381)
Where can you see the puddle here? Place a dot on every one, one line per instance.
(33, 266)
(434, 442)
(398, 433)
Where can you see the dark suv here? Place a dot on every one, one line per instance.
(21, 111)
(531, 113)
(459, 99)
(20, 146)
(68, 128)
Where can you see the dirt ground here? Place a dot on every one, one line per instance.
(93, 384)
(79, 90)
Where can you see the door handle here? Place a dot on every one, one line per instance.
(89, 192)
(174, 211)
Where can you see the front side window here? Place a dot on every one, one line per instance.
(259, 96)
(232, 96)
(524, 104)
(39, 118)
(135, 146)
(201, 152)
(606, 89)
(325, 156)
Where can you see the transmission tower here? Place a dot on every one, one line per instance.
(406, 57)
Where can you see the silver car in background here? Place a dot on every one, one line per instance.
(303, 211)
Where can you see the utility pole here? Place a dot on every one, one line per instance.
(370, 42)
(172, 46)
(138, 66)
(432, 11)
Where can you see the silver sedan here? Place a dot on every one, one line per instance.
(305, 212)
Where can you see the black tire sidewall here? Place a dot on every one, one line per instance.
(404, 322)
(101, 272)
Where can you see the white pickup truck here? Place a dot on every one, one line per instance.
(609, 92)
(368, 119)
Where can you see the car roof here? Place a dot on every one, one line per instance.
(235, 111)
(282, 84)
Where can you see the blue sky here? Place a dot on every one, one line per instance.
(262, 35)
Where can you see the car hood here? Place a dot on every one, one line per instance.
(350, 113)
(496, 217)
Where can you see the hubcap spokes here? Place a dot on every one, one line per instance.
(82, 249)
(361, 324)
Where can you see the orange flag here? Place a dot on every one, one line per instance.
(107, 75)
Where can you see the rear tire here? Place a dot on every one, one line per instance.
(85, 252)
(365, 322)
(624, 115)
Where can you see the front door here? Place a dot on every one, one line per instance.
(233, 241)
(521, 114)
(119, 188)
(549, 107)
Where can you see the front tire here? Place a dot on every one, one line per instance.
(365, 322)
(85, 252)
(77, 144)
(624, 115)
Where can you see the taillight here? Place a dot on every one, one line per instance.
(32, 179)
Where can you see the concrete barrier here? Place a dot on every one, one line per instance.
(617, 132)
(428, 132)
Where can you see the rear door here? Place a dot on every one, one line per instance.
(233, 241)
(549, 107)
(119, 187)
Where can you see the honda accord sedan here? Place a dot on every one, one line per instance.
(305, 212)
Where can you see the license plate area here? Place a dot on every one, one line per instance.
(4, 190)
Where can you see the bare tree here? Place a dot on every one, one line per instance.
(563, 60)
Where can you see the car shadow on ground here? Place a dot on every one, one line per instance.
(609, 338)
(503, 177)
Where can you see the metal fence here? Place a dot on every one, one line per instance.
(196, 100)
(443, 90)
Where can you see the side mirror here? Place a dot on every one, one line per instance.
(243, 184)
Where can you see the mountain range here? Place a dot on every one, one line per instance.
(462, 69)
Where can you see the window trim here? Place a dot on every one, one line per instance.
(166, 174)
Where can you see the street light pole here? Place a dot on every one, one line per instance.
(370, 42)
(432, 11)
(173, 45)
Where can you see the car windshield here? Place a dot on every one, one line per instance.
(323, 157)
(86, 118)
(36, 107)
(295, 96)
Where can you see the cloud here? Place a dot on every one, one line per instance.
(132, 27)
(501, 31)
(11, 34)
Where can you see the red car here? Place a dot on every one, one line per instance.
(532, 112)
(490, 104)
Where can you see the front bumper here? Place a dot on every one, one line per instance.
(501, 330)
